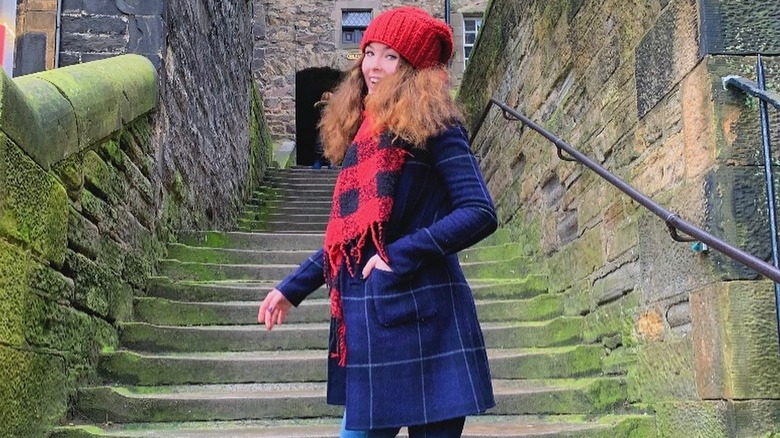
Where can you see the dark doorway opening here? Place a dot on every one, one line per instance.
(309, 86)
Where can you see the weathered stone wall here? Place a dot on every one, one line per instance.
(203, 127)
(203, 53)
(635, 86)
(97, 29)
(76, 227)
(294, 35)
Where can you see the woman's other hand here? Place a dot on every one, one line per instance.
(273, 309)
(375, 262)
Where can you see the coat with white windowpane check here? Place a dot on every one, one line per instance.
(416, 353)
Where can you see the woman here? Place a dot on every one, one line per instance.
(405, 347)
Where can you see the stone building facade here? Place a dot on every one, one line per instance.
(300, 50)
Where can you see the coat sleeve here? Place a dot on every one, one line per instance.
(304, 280)
(472, 216)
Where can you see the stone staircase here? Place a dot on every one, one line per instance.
(194, 362)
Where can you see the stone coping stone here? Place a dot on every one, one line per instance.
(56, 113)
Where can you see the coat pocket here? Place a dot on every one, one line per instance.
(396, 301)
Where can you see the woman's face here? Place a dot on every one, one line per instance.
(379, 60)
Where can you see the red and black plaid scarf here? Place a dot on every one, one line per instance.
(362, 203)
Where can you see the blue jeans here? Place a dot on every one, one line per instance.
(452, 428)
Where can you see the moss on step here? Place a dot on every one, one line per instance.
(544, 363)
(484, 253)
(503, 288)
(534, 309)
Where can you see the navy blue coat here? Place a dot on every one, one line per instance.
(415, 350)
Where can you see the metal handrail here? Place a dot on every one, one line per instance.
(673, 222)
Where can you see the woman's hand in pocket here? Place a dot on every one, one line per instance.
(375, 262)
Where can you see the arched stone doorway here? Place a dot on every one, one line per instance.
(309, 86)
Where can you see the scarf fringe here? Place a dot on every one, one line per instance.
(350, 254)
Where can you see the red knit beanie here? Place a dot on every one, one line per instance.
(419, 38)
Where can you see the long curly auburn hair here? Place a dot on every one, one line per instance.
(412, 104)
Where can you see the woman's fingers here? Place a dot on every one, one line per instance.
(375, 262)
(273, 309)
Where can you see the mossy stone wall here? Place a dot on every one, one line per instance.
(636, 86)
(84, 215)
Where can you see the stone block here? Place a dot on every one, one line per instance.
(737, 213)
(14, 293)
(72, 6)
(666, 371)
(736, 341)
(576, 260)
(30, 53)
(669, 269)
(718, 419)
(142, 7)
(100, 7)
(33, 205)
(68, 59)
(34, 391)
(94, 25)
(97, 288)
(616, 284)
(699, 127)
(147, 35)
(693, 419)
(94, 43)
(615, 318)
(103, 179)
(667, 53)
(51, 283)
(99, 213)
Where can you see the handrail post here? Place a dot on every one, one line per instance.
(770, 181)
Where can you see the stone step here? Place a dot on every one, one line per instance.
(283, 226)
(259, 211)
(314, 180)
(485, 253)
(302, 217)
(300, 183)
(194, 271)
(161, 311)
(253, 241)
(159, 338)
(482, 426)
(497, 268)
(303, 193)
(272, 203)
(301, 172)
(164, 287)
(122, 404)
(133, 368)
(177, 270)
(196, 254)
(234, 290)
(184, 253)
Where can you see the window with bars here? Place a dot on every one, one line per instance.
(353, 24)
(471, 27)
